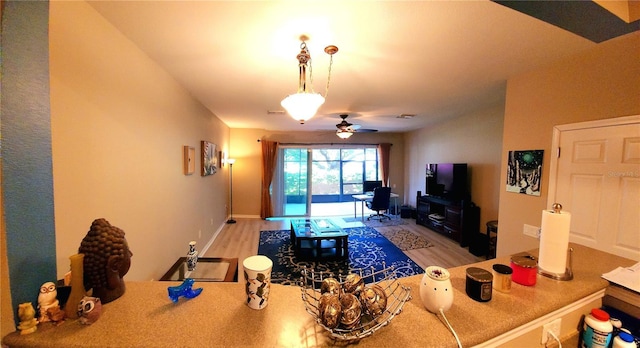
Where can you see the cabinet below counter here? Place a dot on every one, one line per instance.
(145, 317)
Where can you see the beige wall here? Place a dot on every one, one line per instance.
(475, 139)
(247, 170)
(119, 123)
(597, 84)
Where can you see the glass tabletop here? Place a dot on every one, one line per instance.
(208, 269)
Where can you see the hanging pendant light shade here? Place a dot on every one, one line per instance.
(304, 104)
(344, 133)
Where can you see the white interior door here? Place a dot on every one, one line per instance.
(597, 180)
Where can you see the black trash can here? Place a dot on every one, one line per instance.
(405, 212)
(478, 245)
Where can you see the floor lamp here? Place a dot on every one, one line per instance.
(231, 161)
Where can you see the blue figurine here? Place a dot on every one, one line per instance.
(183, 289)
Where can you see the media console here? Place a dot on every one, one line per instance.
(456, 219)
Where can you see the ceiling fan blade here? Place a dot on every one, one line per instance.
(367, 130)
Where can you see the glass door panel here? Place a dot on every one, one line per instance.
(295, 182)
(352, 174)
(325, 177)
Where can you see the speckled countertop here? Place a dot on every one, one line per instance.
(145, 317)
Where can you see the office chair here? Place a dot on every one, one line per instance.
(380, 202)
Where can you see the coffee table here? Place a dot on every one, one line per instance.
(208, 269)
(318, 239)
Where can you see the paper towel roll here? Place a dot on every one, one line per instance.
(554, 241)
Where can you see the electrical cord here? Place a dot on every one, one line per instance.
(549, 333)
(452, 330)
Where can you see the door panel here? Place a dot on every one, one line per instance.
(598, 182)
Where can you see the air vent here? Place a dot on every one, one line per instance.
(275, 112)
(406, 116)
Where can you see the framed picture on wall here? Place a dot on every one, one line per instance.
(189, 159)
(524, 172)
(209, 163)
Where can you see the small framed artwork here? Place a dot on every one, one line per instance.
(524, 172)
(189, 159)
(209, 163)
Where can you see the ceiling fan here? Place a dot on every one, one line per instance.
(346, 129)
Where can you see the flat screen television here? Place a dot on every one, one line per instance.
(369, 186)
(447, 180)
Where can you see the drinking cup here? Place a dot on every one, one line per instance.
(257, 276)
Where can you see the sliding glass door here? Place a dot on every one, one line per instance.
(316, 175)
(296, 184)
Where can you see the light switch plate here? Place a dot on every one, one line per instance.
(531, 231)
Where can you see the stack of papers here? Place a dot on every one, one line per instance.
(629, 277)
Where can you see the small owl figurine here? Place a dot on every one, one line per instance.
(28, 322)
(47, 300)
(89, 310)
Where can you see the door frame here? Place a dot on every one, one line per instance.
(555, 145)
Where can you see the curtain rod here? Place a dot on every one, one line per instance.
(309, 144)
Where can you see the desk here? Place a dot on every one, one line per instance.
(364, 197)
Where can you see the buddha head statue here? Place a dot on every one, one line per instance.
(107, 259)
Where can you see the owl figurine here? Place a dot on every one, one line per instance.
(47, 299)
(89, 310)
(28, 322)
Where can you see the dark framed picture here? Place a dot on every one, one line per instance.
(524, 172)
(209, 158)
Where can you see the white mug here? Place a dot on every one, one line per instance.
(257, 277)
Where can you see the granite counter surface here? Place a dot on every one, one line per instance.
(145, 317)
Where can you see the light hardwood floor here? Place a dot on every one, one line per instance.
(240, 240)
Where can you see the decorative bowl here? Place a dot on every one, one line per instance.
(396, 293)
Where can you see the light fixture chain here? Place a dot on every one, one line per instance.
(310, 70)
(326, 91)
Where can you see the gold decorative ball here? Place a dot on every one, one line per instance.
(351, 310)
(374, 300)
(353, 284)
(330, 310)
(331, 286)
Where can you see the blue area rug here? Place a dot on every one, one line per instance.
(367, 248)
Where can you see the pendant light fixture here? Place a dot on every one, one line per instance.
(304, 104)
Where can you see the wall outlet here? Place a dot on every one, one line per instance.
(531, 231)
(199, 234)
(554, 327)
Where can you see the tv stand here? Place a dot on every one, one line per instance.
(457, 219)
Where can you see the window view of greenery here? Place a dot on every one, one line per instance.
(295, 175)
(336, 173)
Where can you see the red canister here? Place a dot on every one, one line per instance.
(525, 269)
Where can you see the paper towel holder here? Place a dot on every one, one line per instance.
(568, 273)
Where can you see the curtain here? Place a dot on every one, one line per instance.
(278, 196)
(269, 156)
(384, 151)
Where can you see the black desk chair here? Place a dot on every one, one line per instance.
(380, 202)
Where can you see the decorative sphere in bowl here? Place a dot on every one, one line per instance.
(374, 300)
(330, 285)
(353, 284)
(329, 310)
(351, 310)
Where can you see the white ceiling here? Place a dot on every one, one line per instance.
(434, 59)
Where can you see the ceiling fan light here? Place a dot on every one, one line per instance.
(302, 106)
(344, 134)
